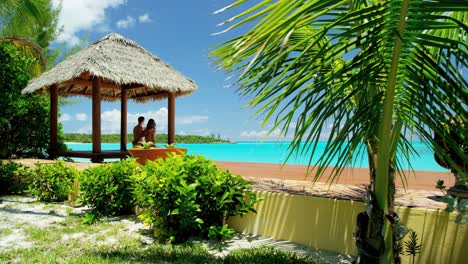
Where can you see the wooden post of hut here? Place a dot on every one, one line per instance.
(96, 105)
(123, 118)
(53, 148)
(171, 119)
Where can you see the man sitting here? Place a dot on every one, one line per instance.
(139, 132)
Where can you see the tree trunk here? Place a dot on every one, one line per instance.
(371, 224)
(5, 145)
(369, 232)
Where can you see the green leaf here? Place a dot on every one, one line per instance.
(174, 212)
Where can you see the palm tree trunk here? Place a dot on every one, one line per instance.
(369, 226)
(388, 131)
(372, 225)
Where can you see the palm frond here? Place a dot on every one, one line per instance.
(316, 63)
(30, 49)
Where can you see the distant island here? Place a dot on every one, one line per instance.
(160, 138)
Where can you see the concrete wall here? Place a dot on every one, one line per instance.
(328, 224)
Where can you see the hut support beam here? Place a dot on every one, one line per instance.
(123, 119)
(96, 120)
(171, 119)
(53, 147)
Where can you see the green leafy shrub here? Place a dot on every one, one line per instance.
(53, 183)
(220, 232)
(89, 219)
(13, 178)
(185, 196)
(107, 189)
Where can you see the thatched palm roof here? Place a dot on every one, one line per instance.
(119, 62)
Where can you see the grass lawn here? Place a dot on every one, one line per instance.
(131, 252)
(33, 232)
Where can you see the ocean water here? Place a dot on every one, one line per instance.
(276, 152)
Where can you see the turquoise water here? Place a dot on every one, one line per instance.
(275, 152)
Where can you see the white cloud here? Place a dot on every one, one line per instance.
(81, 116)
(110, 121)
(145, 18)
(129, 21)
(83, 15)
(260, 134)
(188, 120)
(64, 117)
(126, 23)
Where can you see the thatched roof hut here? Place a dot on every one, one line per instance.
(118, 62)
(113, 68)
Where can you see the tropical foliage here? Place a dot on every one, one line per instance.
(52, 183)
(107, 189)
(36, 20)
(30, 26)
(13, 178)
(23, 118)
(458, 205)
(27, 28)
(378, 73)
(186, 196)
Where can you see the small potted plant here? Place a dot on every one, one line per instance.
(171, 148)
(149, 151)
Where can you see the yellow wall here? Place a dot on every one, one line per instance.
(328, 224)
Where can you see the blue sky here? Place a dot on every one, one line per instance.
(180, 33)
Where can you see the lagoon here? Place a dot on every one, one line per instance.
(276, 152)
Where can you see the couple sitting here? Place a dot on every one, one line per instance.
(141, 134)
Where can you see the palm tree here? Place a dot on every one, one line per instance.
(24, 7)
(25, 14)
(30, 49)
(380, 72)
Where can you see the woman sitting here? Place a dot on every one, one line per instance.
(150, 131)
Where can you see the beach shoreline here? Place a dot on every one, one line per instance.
(419, 180)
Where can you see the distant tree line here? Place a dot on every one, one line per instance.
(160, 138)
